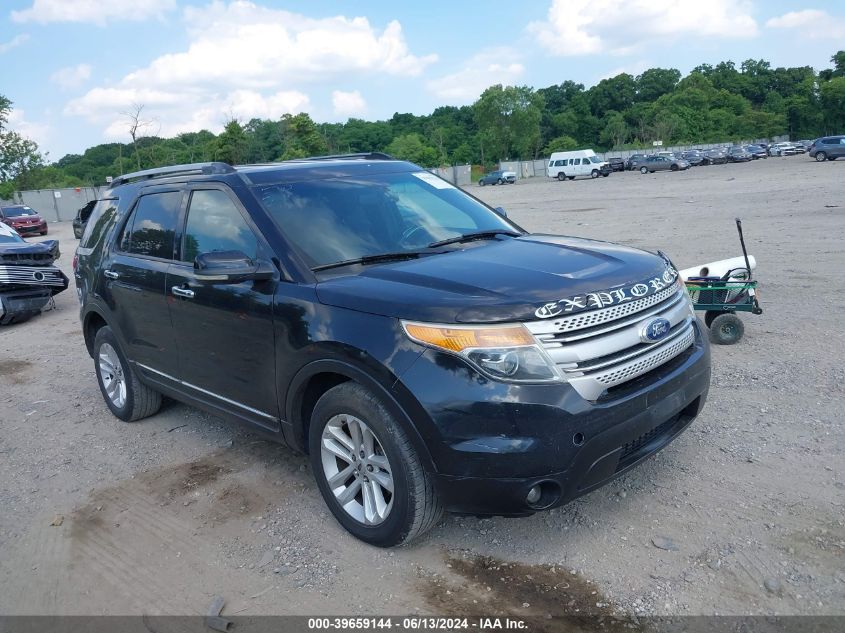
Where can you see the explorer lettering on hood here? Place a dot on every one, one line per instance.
(605, 298)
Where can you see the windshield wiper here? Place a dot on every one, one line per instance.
(372, 259)
(468, 237)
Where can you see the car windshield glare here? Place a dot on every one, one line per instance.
(16, 212)
(341, 219)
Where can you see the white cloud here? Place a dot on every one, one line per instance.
(38, 132)
(632, 69)
(98, 12)
(813, 23)
(246, 60)
(17, 40)
(583, 27)
(485, 69)
(71, 76)
(348, 104)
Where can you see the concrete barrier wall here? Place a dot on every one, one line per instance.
(459, 175)
(57, 205)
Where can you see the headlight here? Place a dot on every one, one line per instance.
(503, 352)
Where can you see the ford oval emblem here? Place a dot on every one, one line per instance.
(654, 330)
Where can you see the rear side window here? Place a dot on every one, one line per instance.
(216, 224)
(577, 161)
(100, 218)
(152, 228)
(830, 141)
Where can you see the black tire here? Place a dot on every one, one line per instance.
(561, 176)
(141, 401)
(595, 173)
(710, 315)
(500, 181)
(726, 329)
(643, 170)
(481, 182)
(821, 157)
(674, 168)
(416, 507)
(18, 317)
(605, 175)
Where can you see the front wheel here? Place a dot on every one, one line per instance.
(367, 470)
(726, 329)
(561, 176)
(605, 175)
(594, 173)
(643, 170)
(127, 397)
(674, 168)
(481, 183)
(821, 157)
(501, 182)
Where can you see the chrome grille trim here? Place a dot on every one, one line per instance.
(597, 317)
(550, 339)
(27, 275)
(592, 385)
(592, 365)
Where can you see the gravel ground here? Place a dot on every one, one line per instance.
(743, 514)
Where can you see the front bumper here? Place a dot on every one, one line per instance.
(31, 228)
(492, 442)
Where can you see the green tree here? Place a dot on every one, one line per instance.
(832, 97)
(510, 117)
(232, 144)
(616, 130)
(560, 144)
(302, 138)
(411, 147)
(656, 82)
(19, 156)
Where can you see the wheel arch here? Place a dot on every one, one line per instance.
(91, 324)
(316, 378)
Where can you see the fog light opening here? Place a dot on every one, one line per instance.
(542, 495)
(578, 439)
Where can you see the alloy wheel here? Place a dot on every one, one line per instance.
(111, 373)
(357, 469)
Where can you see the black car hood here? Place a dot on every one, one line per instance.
(525, 278)
(29, 253)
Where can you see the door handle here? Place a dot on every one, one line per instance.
(111, 274)
(182, 292)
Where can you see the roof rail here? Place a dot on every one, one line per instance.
(175, 170)
(360, 155)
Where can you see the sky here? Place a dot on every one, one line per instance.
(74, 68)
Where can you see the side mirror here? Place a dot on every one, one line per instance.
(230, 267)
(501, 212)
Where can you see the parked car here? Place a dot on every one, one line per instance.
(694, 157)
(756, 151)
(616, 163)
(828, 148)
(715, 157)
(23, 219)
(425, 351)
(81, 218)
(663, 163)
(28, 278)
(634, 161)
(738, 154)
(799, 147)
(498, 177)
(582, 162)
(782, 149)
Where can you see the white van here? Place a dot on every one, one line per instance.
(581, 162)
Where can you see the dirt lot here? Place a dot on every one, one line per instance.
(741, 515)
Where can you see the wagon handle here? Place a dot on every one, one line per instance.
(742, 243)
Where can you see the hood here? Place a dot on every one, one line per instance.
(520, 279)
(29, 253)
(24, 219)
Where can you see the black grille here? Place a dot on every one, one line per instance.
(662, 432)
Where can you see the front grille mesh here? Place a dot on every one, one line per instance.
(646, 362)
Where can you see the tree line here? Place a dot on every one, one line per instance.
(710, 104)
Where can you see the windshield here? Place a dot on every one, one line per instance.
(594, 159)
(16, 212)
(7, 236)
(339, 219)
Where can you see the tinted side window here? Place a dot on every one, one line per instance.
(829, 141)
(577, 161)
(152, 227)
(99, 219)
(216, 224)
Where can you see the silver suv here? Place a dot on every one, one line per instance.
(828, 148)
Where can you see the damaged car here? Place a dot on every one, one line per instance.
(28, 278)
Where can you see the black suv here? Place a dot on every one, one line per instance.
(427, 352)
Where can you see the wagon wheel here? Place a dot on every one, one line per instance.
(726, 329)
